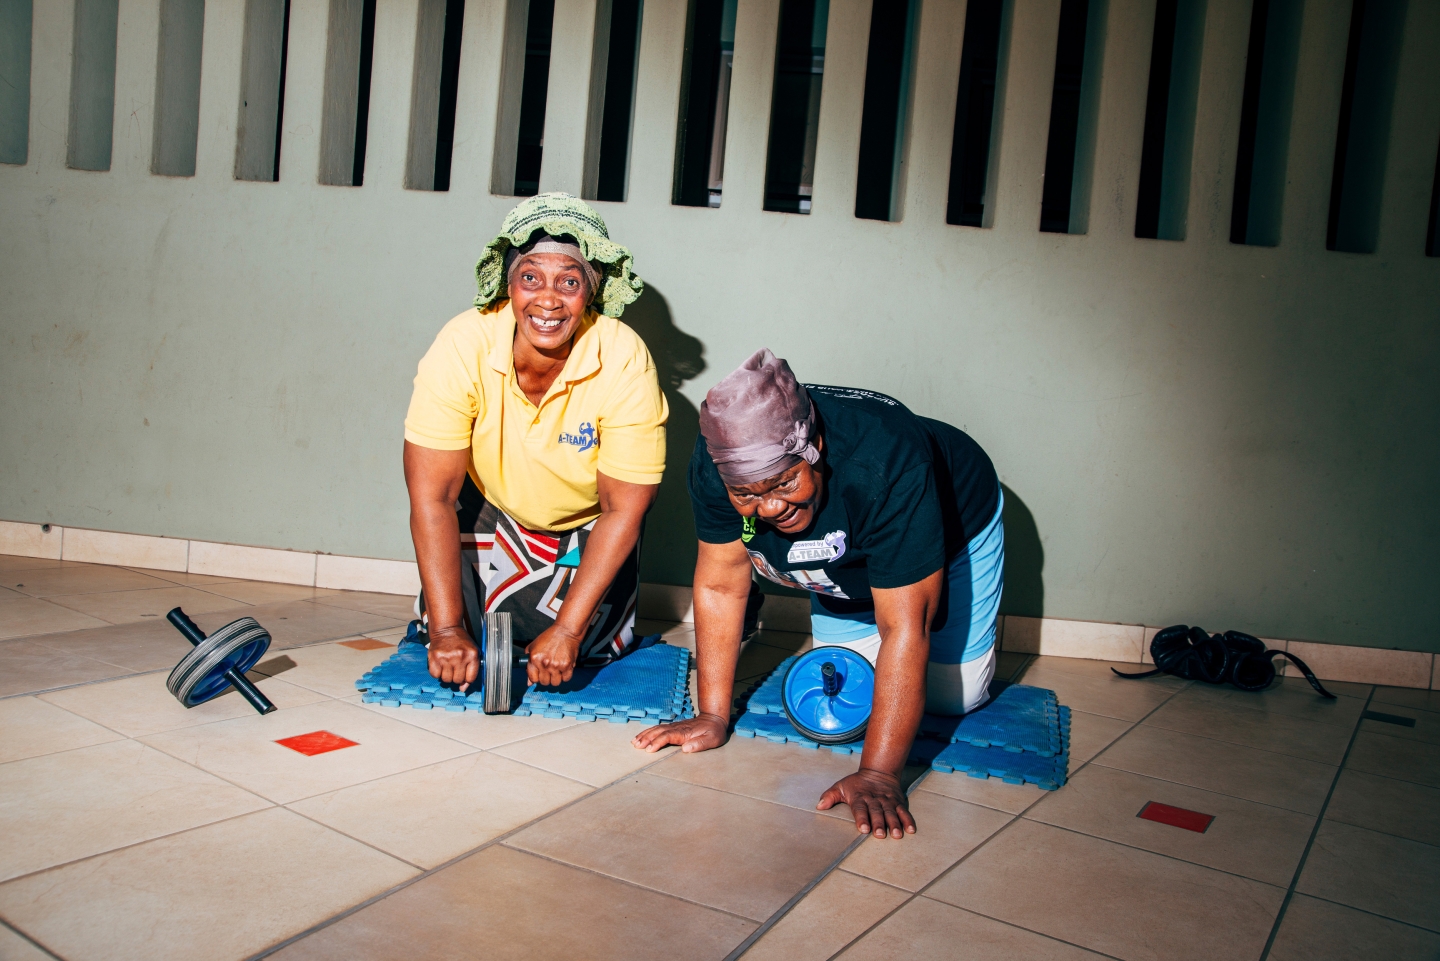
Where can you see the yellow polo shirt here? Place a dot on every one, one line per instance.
(604, 412)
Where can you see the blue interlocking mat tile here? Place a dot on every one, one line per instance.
(650, 685)
(1023, 735)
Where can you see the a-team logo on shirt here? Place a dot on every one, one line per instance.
(805, 552)
(583, 439)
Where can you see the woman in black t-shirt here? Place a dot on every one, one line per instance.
(892, 523)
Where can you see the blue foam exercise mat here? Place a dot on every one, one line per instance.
(651, 685)
(1022, 735)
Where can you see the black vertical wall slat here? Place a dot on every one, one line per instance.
(280, 107)
(1064, 117)
(1157, 109)
(1249, 120)
(790, 107)
(1347, 106)
(362, 99)
(697, 107)
(619, 97)
(884, 74)
(1432, 242)
(534, 89)
(449, 91)
(974, 114)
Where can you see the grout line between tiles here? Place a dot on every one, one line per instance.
(269, 804)
(1018, 816)
(1314, 832)
(795, 899)
(627, 882)
(498, 839)
(1158, 854)
(1388, 834)
(885, 884)
(346, 834)
(1383, 917)
(25, 937)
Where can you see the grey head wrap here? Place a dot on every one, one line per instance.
(542, 243)
(758, 421)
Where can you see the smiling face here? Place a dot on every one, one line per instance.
(788, 501)
(548, 295)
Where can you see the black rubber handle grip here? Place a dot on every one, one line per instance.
(587, 662)
(239, 681)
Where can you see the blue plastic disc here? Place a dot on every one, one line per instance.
(829, 718)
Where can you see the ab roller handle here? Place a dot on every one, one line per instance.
(218, 661)
(500, 659)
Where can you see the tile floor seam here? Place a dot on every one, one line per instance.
(1308, 721)
(1402, 740)
(1208, 737)
(1158, 854)
(269, 804)
(912, 895)
(1314, 832)
(630, 883)
(779, 914)
(855, 874)
(498, 839)
(163, 670)
(380, 777)
(1192, 787)
(1211, 790)
(1383, 917)
(1008, 924)
(22, 935)
(73, 714)
(567, 777)
(362, 841)
(1020, 816)
(67, 687)
(1388, 834)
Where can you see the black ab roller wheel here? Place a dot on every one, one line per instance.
(218, 661)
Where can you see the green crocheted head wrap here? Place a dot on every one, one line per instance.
(557, 214)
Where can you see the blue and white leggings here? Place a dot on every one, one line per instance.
(962, 649)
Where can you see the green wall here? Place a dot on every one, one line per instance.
(1243, 437)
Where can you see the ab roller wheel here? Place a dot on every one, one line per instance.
(827, 694)
(497, 647)
(218, 661)
(499, 663)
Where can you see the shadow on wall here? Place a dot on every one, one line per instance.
(668, 554)
(1024, 560)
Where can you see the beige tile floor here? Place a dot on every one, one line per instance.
(134, 828)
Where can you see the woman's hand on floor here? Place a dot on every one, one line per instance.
(877, 801)
(553, 656)
(699, 733)
(454, 658)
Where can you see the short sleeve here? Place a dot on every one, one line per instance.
(903, 531)
(716, 519)
(447, 399)
(632, 423)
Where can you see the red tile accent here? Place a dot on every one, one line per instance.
(316, 742)
(1176, 817)
(365, 644)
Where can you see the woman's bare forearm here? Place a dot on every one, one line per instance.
(611, 542)
(899, 700)
(434, 479)
(436, 534)
(722, 586)
(903, 616)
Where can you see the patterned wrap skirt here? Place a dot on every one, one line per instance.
(506, 566)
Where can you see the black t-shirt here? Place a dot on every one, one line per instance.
(902, 495)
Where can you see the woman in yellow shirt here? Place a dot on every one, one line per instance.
(534, 445)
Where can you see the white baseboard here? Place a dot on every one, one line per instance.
(1051, 636)
(1094, 640)
(378, 575)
